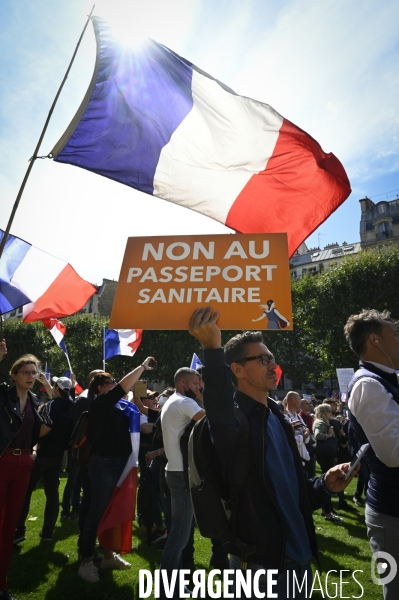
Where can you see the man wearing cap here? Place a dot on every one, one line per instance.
(48, 463)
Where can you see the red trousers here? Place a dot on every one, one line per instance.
(14, 479)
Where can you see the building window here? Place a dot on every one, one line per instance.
(384, 230)
(382, 208)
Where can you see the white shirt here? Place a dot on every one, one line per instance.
(175, 416)
(378, 414)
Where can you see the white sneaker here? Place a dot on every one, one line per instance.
(89, 572)
(116, 562)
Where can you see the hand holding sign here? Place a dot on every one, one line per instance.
(203, 327)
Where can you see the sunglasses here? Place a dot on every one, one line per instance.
(264, 358)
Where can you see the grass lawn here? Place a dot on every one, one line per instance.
(48, 571)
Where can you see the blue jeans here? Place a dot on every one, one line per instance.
(182, 516)
(383, 536)
(158, 503)
(104, 473)
(286, 579)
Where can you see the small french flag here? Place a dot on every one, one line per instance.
(57, 330)
(124, 342)
(195, 362)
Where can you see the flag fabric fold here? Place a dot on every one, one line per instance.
(154, 121)
(124, 342)
(279, 373)
(45, 286)
(115, 529)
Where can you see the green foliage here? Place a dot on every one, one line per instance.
(322, 305)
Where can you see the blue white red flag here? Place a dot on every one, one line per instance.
(57, 330)
(45, 286)
(47, 373)
(115, 529)
(154, 121)
(195, 362)
(123, 342)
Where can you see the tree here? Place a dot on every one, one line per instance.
(323, 304)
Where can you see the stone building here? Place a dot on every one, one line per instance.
(102, 301)
(379, 223)
(317, 260)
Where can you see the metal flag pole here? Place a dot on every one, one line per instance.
(34, 157)
(103, 348)
(68, 361)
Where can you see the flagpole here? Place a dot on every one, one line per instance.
(69, 362)
(34, 157)
(103, 348)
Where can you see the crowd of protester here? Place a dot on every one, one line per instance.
(36, 438)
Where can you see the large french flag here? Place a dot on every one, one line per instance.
(156, 122)
(115, 529)
(44, 285)
(123, 342)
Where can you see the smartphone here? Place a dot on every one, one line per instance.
(356, 460)
(152, 364)
(140, 389)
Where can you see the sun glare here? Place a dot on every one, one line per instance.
(135, 20)
(126, 20)
(127, 33)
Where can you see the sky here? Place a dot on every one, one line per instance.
(329, 67)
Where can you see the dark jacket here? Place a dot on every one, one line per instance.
(260, 521)
(57, 440)
(11, 418)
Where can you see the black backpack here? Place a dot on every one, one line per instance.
(80, 446)
(215, 502)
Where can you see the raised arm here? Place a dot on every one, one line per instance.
(130, 379)
(203, 327)
(46, 384)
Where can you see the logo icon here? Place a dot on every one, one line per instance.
(386, 567)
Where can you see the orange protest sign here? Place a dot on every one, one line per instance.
(245, 277)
